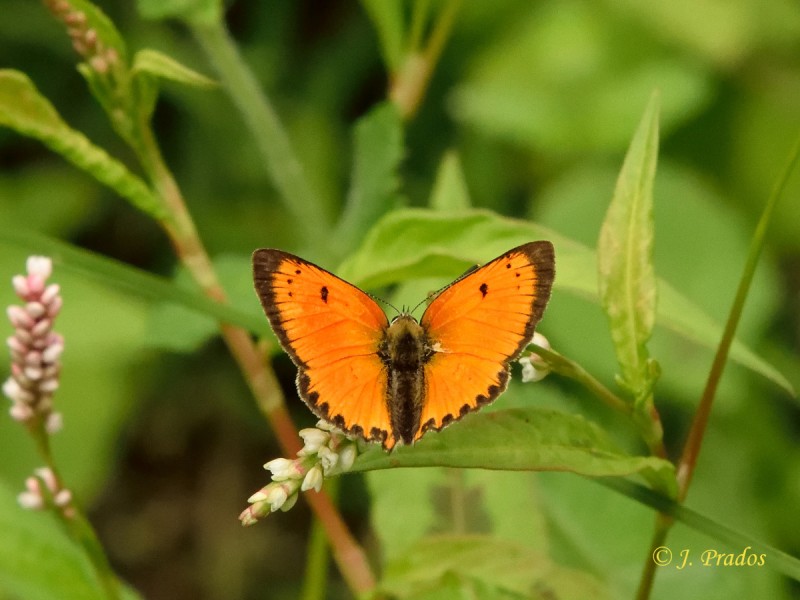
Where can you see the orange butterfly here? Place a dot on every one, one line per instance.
(392, 382)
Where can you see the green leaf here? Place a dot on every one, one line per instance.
(158, 64)
(563, 80)
(388, 20)
(150, 65)
(413, 243)
(374, 182)
(476, 566)
(199, 12)
(403, 506)
(174, 326)
(626, 278)
(38, 560)
(25, 110)
(522, 440)
(450, 191)
(407, 504)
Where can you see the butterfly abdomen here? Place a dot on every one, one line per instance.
(405, 351)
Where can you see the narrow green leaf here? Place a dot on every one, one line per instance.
(373, 187)
(388, 20)
(627, 282)
(523, 440)
(478, 566)
(158, 64)
(736, 540)
(200, 12)
(411, 243)
(450, 191)
(179, 328)
(25, 110)
(149, 66)
(134, 281)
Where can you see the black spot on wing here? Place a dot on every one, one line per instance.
(484, 289)
(323, 293)
(297, 271)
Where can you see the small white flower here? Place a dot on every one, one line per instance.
(276, 496)
(533, 367)
(282, 468)
(325, 426)
(313, 479)
(290, 501)
(313, 439)
(347, 456)
(328, 458)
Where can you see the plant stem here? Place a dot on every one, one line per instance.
(76, 525)
(694, 441)
(649, 428)
(254, 365)
(663, 525)
(408, 85)
(272, 141)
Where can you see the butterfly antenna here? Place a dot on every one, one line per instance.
(429, 298)
(382, 301)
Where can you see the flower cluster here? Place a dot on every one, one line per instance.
(35, 348)
(44, 490)
(533, 367)
(327, 451)
(84, 38)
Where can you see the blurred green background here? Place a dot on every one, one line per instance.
(537, 101)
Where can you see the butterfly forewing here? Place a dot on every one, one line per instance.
(477, 326)
(332, 330)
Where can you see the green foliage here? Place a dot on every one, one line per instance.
(625, 260)
(25, 110)
(202, 12)
(33, 543)
(522, 440)
(523, 120)
(378, 150)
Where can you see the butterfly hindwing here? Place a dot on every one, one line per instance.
(477, 326)
(331, 330)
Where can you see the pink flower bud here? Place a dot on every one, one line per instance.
(30, 501)
(50, 292)
(41, 328)
(21, 413)
(35, 309)
(54, 423)
(19, 318)
(54, 307)
(20, 283)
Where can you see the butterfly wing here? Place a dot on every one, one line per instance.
(331, 330)
(477, 326)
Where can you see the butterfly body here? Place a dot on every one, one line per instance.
(391, 382)
(404, 351)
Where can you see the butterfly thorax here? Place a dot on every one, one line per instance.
(404, 351)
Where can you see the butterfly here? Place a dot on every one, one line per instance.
(390, 382)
